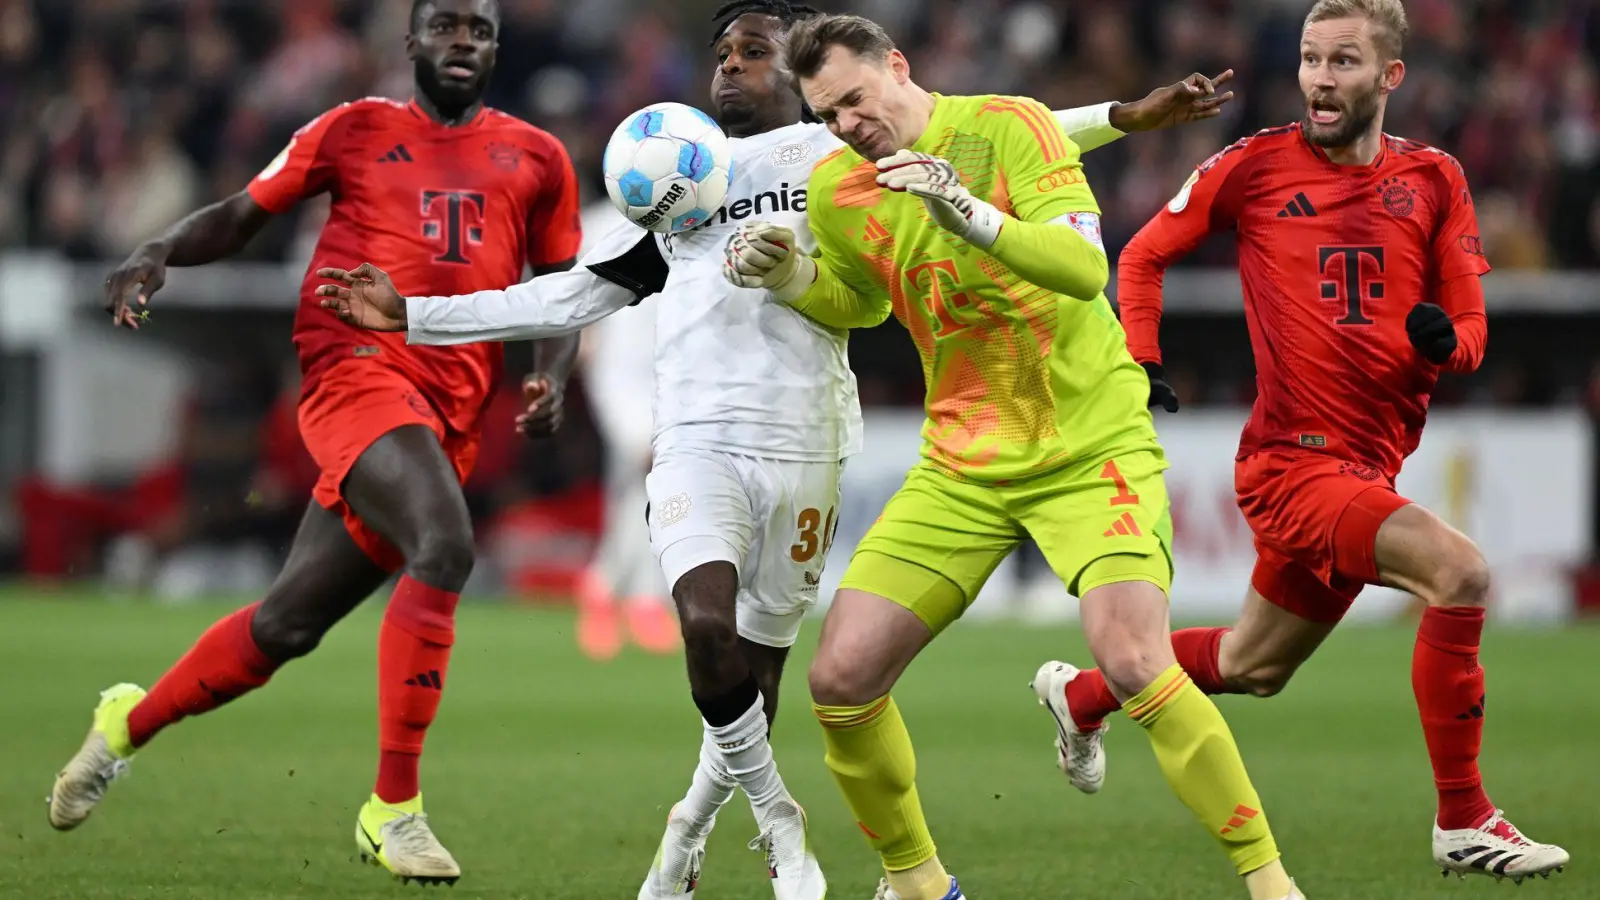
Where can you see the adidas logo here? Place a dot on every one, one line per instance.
(1241, 816)
(1476, 710)
(1125, 526)
(398, 154)
(1299, 206)
(428, 679)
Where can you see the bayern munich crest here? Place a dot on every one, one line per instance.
(1398, 197)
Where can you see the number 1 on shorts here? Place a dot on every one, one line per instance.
(1124, 496)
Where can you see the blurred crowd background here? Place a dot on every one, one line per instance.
(117, 117)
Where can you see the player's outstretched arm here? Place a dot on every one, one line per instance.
(206, 235)
(763, 255)
(622, 269)
(1191, 100)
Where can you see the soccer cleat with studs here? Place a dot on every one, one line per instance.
(1495, 849)
(397, 837)
(784, 847)
(82, 783)
(675, 872)
(1080, 754)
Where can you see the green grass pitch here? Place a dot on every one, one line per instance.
(550, 777)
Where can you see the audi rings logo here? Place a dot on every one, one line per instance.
(1472, 244)
(1060, 178)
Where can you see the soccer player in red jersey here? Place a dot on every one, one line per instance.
(452, 198)
(1360, 262)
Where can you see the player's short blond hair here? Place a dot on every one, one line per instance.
(1387, 17)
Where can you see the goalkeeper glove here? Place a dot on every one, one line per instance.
(1431, 332)
(763, 255)
(1161, 393)
(939, 185)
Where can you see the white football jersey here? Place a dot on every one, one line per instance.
(736, 371)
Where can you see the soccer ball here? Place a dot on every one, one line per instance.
(668, 167)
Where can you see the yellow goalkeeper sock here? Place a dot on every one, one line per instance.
(1201, 762)
(869, 752)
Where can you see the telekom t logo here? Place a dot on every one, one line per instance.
(458, 217)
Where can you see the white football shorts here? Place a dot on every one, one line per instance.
(772, 519)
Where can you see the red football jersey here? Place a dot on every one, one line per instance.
(1331, 258)
(444, 210)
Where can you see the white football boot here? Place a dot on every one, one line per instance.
(887, 893)
(791, 865)
(1080, 754)
(675, 872)
(1495, 848)
(82, 783)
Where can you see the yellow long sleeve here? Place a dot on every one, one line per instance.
(1052, 256)
(832, 302)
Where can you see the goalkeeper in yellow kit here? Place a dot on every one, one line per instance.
(969, 218)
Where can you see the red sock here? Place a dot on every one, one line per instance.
(1090, 700)
(1199, 651)
(413, 655)
(1448, 682)
(223, 665)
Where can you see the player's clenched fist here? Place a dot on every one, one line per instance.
(939, 185)
(364, 297)
(1431, 332)
(763, 255)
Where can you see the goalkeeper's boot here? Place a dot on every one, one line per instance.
(396, 836)
(675, 872)
(782, 842)
(887, 893)
(1080, 753)
(82, 782)
(1495, 848)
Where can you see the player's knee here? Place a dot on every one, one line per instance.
(708, 630)
(1130, 668)
(837, 680)
(1464, 579)
(444, 558)
(282, 635)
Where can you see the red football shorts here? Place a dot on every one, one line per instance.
(1316, 521)
(344, 411)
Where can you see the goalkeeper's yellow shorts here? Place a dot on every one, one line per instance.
(1098, 522)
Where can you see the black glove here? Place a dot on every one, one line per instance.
(1161, 393)
(1431, 332)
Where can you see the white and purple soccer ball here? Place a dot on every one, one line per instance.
(667, 167)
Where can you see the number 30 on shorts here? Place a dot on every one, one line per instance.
(810, 539)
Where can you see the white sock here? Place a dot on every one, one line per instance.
(747, 756)
(710, 790)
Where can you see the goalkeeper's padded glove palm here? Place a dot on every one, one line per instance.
(1431, 332)
(938, 184)
(763, 255)
(1161, 393)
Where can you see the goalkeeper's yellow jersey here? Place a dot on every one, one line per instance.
(1020, 380)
